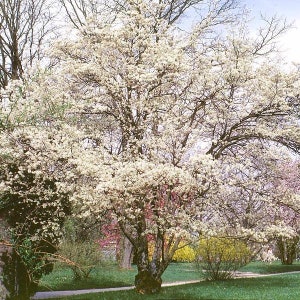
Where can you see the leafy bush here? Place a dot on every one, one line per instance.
(81, 257)
(220, 257)
(185, 253)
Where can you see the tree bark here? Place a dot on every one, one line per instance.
(148, 280)
(4, 251)
(147, 283)
(287, 250)
(126, 251)
(3, 290)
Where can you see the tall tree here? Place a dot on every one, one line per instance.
(24, 26)
(80, 12)
(162, 113)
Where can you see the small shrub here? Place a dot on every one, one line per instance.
(81, 257)
(220, 257)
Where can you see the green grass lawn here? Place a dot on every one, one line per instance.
(111, 276)
(280, 287)
(274, 267)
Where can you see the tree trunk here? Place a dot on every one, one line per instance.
(3, 290)
(125, 254)
(4, 250)
(147, 283)
(15, 282)
(287, 250)
(148, 280)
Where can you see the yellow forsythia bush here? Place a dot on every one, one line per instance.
(184, 254)
(224, 249)
(220, 257)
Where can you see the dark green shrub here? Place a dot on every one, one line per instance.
(34, 210)
(81, 257)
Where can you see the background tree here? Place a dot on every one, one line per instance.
(24, 28)
(253, 203)
(288, 186)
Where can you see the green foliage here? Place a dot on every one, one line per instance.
(220, 257)
(79, 229)
(23, 266)
(81, 257)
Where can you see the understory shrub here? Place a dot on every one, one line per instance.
(185, 253)
(218, 258)
(81, 257)
(34, 209)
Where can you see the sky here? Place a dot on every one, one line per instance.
(289, 9)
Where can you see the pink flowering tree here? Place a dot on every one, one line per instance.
(288, 186)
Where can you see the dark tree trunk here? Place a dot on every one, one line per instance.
(4, 251)
(147, 283)
(287, 250)
(17, 280)
(148, 280)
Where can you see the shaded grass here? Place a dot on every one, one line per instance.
(281, 287)
(274, 267)
(101, 277)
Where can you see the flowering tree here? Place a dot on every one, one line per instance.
(161, 114)
(288, 187)
(254, 207)
(32, 204)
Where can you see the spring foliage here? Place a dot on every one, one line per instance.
(220, 257)
(185, 253)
